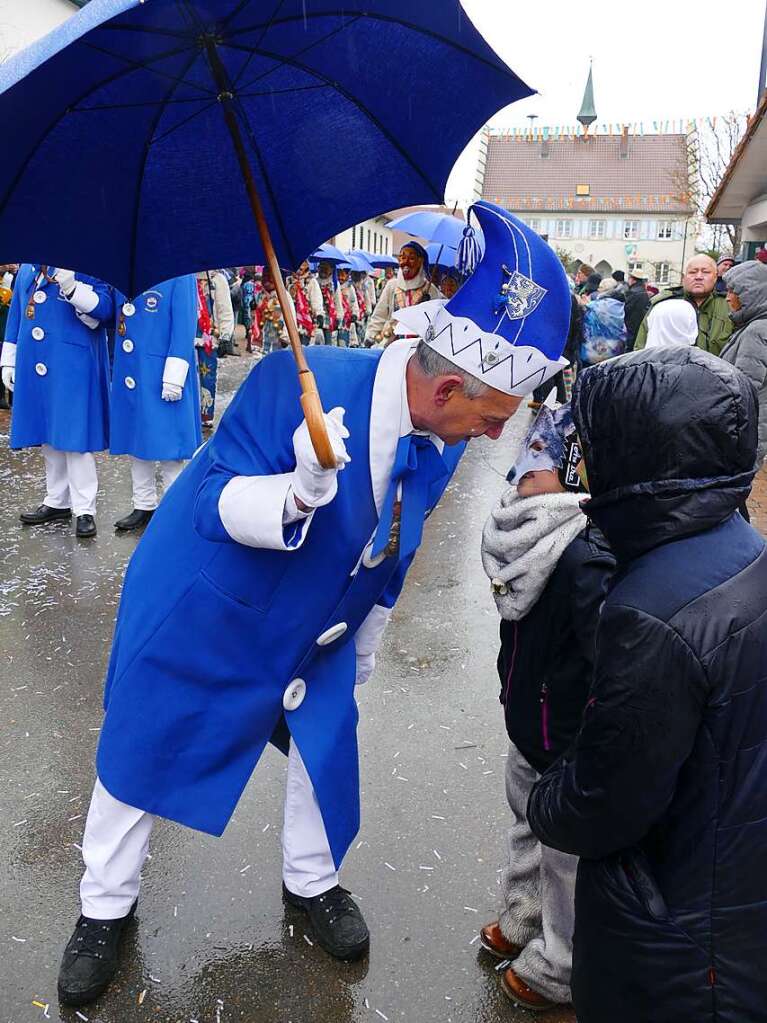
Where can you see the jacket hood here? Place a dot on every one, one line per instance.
(749, 282)
(669, 438)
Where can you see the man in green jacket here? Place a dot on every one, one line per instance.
(698, 284)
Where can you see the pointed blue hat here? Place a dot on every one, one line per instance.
(508, 324)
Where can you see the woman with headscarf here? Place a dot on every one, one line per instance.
(410, 287)
(672, 322)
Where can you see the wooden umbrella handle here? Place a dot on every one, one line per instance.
(310, 397)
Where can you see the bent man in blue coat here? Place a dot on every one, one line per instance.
(55, 360)
(155, 396)
(253, 522)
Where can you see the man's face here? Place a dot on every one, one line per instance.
(723, 266)
(458, 418)
(267, 281)
(303, 270)
(325, 269)
(448, 286)
(410, 262)
(343, 276)
(389, 272)
(580, 277)
(700, 277)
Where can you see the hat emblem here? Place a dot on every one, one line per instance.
(521, 295)
(429, 335)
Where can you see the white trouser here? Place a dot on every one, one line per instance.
(145, 483)
(71, 480)
(116, 843)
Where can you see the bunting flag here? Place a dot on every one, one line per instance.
(545, 133)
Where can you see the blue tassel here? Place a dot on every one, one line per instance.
(469, 253)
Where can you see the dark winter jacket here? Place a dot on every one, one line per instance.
(546, 658)
(747, 348)
(637, 304)
(664, 793)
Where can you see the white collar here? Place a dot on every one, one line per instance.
(390, 407)
(417, 282)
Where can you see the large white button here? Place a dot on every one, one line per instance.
(130, 383)
(127, 345)
(38, 333)
(41, 369)
(39, 297)
(129, 309)
(370, 561)
(294, 695)
(332, 633)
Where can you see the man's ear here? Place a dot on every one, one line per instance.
(446, 387)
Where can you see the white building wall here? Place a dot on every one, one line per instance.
(372, 236)
(24, 21)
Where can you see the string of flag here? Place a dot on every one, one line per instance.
(569, 202)
(545, 133)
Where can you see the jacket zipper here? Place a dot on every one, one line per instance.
(545, 716)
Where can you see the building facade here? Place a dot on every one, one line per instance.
(611, 201)
(24, 21)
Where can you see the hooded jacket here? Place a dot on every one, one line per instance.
(664, 792)
(747, 348)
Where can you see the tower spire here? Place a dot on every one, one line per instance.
(588, 113)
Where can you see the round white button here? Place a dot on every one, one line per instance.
(294, 695)
(129, 309)
(130, 383)
(38, 333)
(127, 345)
(39, 297)
(332, 633)
(369, 561)
(41, 369)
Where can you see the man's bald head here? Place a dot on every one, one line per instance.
(699, 277)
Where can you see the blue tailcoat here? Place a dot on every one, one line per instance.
(187, 722)
(61, 395)
(163, 324)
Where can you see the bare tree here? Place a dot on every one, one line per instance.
(710, 149)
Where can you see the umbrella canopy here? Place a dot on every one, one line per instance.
(381, 261)
(327, 253)
(121, 160)
(443, 256)
(359, 261)
(434, 227)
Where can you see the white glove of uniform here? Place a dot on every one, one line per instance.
(65, 280)
(313, 485)
(9, 377)
(365, 667)
(171, 392)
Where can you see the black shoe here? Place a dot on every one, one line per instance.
(136, 520)
(86, 527)
(90, 959)
(337, 922)
(45, 514)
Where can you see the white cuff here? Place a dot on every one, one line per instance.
(83, 298)
(8, 358)
(252, 508)
(175, 371)
(292, 513)
(369, 635)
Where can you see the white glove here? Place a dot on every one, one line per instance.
(171, 392)
(9, 377)
(365, 666)
(313, 485)
(65, 280)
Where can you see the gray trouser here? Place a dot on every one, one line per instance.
(538, 888)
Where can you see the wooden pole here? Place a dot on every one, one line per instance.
(310, 398)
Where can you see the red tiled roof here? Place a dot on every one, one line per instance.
(652, 177)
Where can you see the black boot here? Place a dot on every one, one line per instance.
(137, 519)
(45, 514)
(90, 959)
(337, 922)
(86, 527)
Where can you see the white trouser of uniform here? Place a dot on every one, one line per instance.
(70, 480)
(116, 843)
(145, 483)
(538, 888)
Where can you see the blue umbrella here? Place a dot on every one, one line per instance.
(447, 230)
(327, 253)
(443, 256)
(381, 261)
(359, 261)
(152, 139)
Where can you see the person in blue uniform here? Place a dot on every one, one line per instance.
(155, 396)
(290, 571)
(55, 360)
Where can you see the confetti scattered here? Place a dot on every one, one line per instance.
(308, 940)
(81, 1016)
(436, 854)
(470, 909)
(265, 828)
(20, 940)
(475, 938)
(244, 869)
(366, 1003)
(389, 866)
(436, 817)
(290, 930)
(141, 997)
(378, 1011)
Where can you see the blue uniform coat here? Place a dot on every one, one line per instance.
(61, 394)
(186, 723)
(163, 324)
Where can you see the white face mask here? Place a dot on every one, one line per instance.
(544, 446)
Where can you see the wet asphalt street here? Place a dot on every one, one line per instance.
(213, 942)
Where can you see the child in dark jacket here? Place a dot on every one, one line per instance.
(550, 571)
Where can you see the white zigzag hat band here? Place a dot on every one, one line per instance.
(512, 369)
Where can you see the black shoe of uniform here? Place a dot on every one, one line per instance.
(86, 527)
(337, 922)
(45, 514)
(90, 959)
(136, 520)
